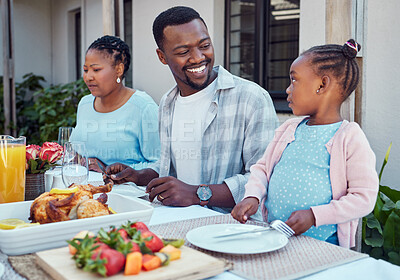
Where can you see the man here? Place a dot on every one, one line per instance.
(213, 125)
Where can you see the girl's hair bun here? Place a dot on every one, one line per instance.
(351, 48)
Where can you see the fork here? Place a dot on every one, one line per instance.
(278, 225)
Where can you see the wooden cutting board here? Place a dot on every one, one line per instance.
(192, 265)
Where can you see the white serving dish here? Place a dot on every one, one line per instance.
(54, 235)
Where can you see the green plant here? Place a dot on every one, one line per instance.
(56, 106)
(381, 228)
(39, 115)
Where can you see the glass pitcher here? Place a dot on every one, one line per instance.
(12, 168)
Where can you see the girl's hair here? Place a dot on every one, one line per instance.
(339, 61)
(114, 47)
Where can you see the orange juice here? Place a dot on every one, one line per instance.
(12, 172)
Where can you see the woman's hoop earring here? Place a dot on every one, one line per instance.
(118, 80)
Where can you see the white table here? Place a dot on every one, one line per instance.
(364, 269)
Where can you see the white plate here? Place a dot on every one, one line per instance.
(54, 235)
(129, 189)
(253, 243)
(2, 269)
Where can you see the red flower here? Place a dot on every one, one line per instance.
(32, 152)
(50, 151)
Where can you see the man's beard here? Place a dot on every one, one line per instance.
(194, 85)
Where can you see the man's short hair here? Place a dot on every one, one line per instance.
(173, 16)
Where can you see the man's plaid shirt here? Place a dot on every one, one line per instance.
(240, 123)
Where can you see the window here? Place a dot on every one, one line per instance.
(78, 45)
(74, 45)
(128, 37)
(262, 40)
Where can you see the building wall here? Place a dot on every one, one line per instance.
(381, 85)
(149, 73)
(32, 40)
(63, 46)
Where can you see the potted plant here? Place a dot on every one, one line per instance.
(381, 228)
(38, 161)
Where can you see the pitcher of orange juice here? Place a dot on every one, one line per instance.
(12, 168)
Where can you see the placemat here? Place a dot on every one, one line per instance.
(26, 266)
(300, 257)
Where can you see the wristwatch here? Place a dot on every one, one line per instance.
(204, 193)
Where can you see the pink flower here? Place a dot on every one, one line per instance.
(32, 152)
(51, 151)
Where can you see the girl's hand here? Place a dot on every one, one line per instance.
(244, 209)
(300, 221)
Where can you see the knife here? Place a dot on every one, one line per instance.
(102, 168)
(244, 232)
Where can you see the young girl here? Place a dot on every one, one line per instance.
(318, 173)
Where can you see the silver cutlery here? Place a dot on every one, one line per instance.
(276, 225)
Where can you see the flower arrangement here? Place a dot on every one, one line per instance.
(40, 159)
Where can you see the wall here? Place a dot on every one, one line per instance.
(92, 28)
(149, 73)
(32, 40)
(381, 113)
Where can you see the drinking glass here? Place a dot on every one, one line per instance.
(12, 168)
(75, 164)
(63, 135)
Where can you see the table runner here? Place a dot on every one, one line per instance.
(300, 257)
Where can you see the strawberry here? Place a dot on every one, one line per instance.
(106, 262)
(135, 247)
(123, 234)
(152, 241)
(140, 226)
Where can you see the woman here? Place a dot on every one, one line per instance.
(117, 123)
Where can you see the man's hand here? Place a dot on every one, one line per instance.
(244, 209)
(300, 221)
(119, 173)
(172, 192)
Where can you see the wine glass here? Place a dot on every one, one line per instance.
(63, 135)
(75, 164)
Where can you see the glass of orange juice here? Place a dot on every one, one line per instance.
(12, 168)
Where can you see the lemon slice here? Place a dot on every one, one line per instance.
(27, 225)
(10, 223)
(111, 210)
(64, 191)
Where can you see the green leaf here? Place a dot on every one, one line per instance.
(376, 253)
(385, 161)
(372, 222)
(393, 194)
(394, 258)
(391, 232)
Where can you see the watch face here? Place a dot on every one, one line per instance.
(204, 192)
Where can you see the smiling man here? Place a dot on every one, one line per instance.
(213, 125)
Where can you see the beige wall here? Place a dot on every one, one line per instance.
(32, 40)
(149, 73)
(381, 114)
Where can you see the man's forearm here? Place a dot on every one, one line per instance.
(221, 196)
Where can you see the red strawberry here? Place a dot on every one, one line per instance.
(140, 226)
(154, 243)
(115, 261)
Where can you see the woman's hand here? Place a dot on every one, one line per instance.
(300, 221)
(94, 165)
(244, 209)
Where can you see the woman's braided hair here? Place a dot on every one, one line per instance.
(114, 47)
(339, 61)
